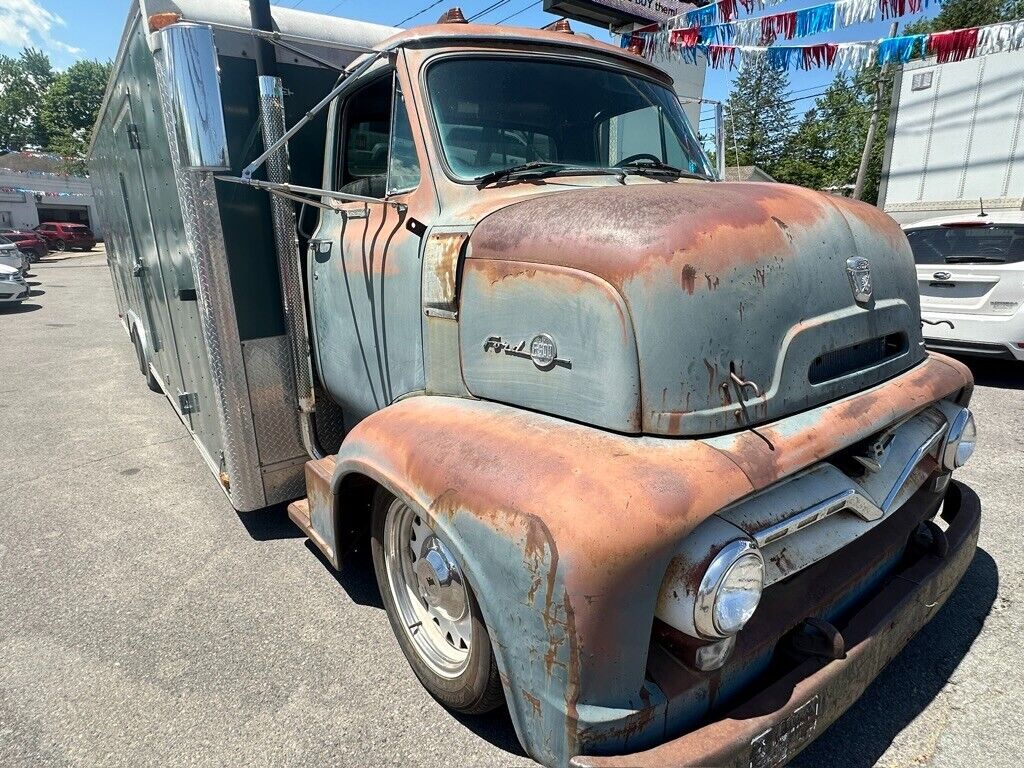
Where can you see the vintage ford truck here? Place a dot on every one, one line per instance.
(657, 461)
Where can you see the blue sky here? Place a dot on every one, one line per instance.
(73, 29)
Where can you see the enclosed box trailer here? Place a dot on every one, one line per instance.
(956, 138)
(195, 265)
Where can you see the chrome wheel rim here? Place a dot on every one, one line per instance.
(429, 591)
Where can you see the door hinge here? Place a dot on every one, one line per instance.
(133, 136)
(188, 402)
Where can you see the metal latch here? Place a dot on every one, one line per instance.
(188, 402)
(133, 136)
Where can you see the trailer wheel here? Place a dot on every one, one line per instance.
(432, 609)
(140, 354)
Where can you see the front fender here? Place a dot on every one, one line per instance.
(564, 532)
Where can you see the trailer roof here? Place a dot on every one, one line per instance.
(316, 26)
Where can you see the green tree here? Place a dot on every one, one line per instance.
(23, 80)
(69, 110)
(757, 117)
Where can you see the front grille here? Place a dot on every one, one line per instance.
(856, 357)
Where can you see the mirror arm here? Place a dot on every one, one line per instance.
(252, 167)
(309, 195)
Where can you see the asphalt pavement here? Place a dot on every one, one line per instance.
(144, 622)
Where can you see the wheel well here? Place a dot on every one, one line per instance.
(352, 529)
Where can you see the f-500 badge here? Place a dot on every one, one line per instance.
(859, 270)
(542, 351)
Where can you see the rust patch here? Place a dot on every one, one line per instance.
(688, 278)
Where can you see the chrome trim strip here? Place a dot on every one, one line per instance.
(851, 500)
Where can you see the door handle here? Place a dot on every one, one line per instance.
(138, 269)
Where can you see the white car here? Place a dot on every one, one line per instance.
(13, 288)
(11, 256)
(970, 271)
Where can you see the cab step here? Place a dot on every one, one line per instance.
(318, 506)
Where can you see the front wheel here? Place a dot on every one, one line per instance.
(432, 609)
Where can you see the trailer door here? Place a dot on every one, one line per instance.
(148, 268)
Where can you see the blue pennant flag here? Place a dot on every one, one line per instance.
(780, 56)
(702, 17)
(900, 49)
(819, 18)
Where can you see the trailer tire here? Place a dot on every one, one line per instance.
(470, 685)
(140, 354)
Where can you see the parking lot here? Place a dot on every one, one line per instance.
(144, 622)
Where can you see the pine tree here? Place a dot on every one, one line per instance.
(758, 117)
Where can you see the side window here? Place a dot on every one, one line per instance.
(364, 140)
(404, 166)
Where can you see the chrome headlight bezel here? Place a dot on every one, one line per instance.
(958, 447)
(710, 592)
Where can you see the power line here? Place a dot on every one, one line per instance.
(488, 9)
(787, 101)
(419, 12)
(521, 10)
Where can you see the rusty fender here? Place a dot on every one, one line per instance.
(565, 531)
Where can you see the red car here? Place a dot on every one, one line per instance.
(61, 236)
(30, 243)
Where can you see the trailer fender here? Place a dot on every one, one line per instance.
(564, 532)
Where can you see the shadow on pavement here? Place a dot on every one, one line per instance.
(18, 309)
(356, 576)
(270, 524)
(1004, 374)
(912, 680)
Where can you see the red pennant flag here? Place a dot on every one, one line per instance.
(684, 38)
(895, 8)
(748, 5)
(718, 55)
(727, 10)
(778, 25)
(955, 45)
(821, 55)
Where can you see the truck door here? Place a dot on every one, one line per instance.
(364, 259)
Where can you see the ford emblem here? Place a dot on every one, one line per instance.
(942, 275)
(859, 270)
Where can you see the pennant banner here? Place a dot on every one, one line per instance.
(731, 51)
(765, 30)
(42, 193)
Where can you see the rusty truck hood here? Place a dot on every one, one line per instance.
(740, 295)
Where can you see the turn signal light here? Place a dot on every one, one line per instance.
(160, 20)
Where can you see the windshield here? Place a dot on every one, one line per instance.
(495, 113)
(968, 243)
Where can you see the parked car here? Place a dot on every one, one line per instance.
(13, 288)
(61, 236)
(12, 257)
(32, 244)
(970, 272)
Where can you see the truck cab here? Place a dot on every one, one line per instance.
(658, 462)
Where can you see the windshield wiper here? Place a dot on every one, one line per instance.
(538, 169)
(533, 168)
(649, 165)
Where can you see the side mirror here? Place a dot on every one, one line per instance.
(190, 61)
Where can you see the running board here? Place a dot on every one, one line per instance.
(317, 507)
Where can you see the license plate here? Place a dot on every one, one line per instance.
(782, 741)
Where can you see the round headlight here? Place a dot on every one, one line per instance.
(730, 590)
(960, 441)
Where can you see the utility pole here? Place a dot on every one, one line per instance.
(869, 141)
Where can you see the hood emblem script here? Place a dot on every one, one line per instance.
(541, 350)
(859, 270)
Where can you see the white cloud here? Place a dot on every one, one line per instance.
(25, 23)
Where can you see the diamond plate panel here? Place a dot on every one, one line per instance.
(275, 409)
(205, 240)
(286, 483)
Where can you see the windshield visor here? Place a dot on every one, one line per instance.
(494, 113)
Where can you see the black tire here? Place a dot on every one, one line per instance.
(60, 246)
(478, 689)
(140, 354)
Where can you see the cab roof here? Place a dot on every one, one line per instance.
(455, 35)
